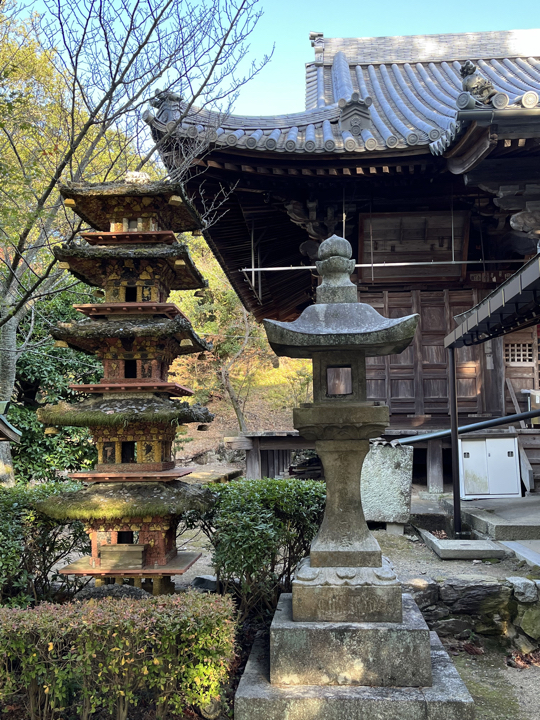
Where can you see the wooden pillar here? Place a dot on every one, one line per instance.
(253, 461)
(417, 343)
(119, 581)
(435, 466)
(99, 582)
(452, 398)
(137, 582)
(157, 586)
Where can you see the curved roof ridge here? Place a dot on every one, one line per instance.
(262, 122)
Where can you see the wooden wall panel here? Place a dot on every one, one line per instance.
(521, 365)
(415, 383)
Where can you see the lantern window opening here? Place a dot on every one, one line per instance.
(125, 537)
(129, 451)
(339, 380)
(131, 294)
(130, 368)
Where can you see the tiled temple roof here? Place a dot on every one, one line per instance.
(413, 83)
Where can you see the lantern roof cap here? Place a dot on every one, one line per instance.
(338, 321)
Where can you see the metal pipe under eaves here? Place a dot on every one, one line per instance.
(494, 422)
(433, 263)
(452, 399)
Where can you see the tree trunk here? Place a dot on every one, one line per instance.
(226, 380)
(8, 364)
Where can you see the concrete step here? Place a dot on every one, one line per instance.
(500, 519)
(527, 550)
(462, 549)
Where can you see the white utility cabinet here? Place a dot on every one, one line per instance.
(489, 467)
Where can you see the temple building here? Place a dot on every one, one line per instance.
(424, 152)
(134, 497)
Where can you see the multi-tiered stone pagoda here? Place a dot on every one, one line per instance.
(134, 497)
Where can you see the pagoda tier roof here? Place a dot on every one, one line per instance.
(138, 386)
(96, 203)
(86, 262)
(111, 411)
(408, 85)
(106, 309)
(90, 335)
(108, 501)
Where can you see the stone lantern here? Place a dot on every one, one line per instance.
(338, 333)
(347, 643)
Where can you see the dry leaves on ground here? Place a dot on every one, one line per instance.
(521, 661)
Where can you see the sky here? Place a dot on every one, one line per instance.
(287, 23)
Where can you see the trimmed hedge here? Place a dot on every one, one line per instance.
(82, 657)
(259, 531)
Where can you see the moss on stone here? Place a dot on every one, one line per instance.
(110, 501)
(88, 335)
(107, 411)
(494, 698)
(94, 202)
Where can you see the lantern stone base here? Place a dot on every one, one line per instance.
(337, 653)
(446, 699)
(346, 594)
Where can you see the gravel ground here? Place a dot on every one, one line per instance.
(500, 692)
(412, 559)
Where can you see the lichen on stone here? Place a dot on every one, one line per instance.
(111, 501)
(109, 411)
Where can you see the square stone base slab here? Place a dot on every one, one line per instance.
(346, 594)
(462, 549)
(446, 699)
(371, 654)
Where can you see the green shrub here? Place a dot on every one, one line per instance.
(259, 531)
(32, 545)
(40, 457)
(82, 657)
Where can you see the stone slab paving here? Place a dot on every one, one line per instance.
(502, 519)
(211, 473)
(463, 549)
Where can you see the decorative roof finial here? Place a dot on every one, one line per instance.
(335, 266)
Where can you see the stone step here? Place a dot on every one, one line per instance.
(327, 653)
(488, 524)
(462, 549)
(446, 699)
(527, 550)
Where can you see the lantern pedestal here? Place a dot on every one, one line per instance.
(344, 579)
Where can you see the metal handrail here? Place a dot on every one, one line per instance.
(494, 422)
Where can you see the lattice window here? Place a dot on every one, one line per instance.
(518, 353)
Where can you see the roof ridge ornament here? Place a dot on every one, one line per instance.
(475, 85)
(317, 42)
(355, 115)
(479, 92)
